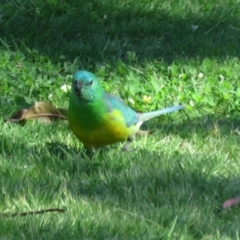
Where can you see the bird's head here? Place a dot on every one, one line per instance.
(85, 86)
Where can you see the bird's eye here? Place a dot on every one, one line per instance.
(91, 82)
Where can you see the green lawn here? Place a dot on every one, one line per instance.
(173, 186)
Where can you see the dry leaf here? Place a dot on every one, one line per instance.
(17, 116)
(231, 202)
(41, 111)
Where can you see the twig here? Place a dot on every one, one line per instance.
(208, 31)
(23, 214)
(234, 28)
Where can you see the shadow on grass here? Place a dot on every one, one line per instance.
(146, 183)
(98, 31)
(146, 189)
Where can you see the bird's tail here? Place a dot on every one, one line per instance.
(146, 116)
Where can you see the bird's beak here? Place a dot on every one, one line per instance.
(77, 86)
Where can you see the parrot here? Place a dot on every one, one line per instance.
(98, 118)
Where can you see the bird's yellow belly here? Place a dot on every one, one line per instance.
(111, 129)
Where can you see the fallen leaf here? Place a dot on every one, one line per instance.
(231, 202)
(17, 116)
(41, 111)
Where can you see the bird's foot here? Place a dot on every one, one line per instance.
(126, 148)
(90, 152)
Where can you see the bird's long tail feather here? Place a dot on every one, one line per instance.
(146, 116)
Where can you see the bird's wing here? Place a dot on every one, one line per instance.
(115, 103)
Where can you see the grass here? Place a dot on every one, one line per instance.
(174, 185)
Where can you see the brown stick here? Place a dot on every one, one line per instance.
(23, 214)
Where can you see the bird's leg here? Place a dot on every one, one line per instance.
(89, 152)
(126, 145)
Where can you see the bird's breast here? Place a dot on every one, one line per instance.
(102, 129)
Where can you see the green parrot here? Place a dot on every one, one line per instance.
(98, 118)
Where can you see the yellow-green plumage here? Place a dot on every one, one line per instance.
(111, 128)
(98, 118)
